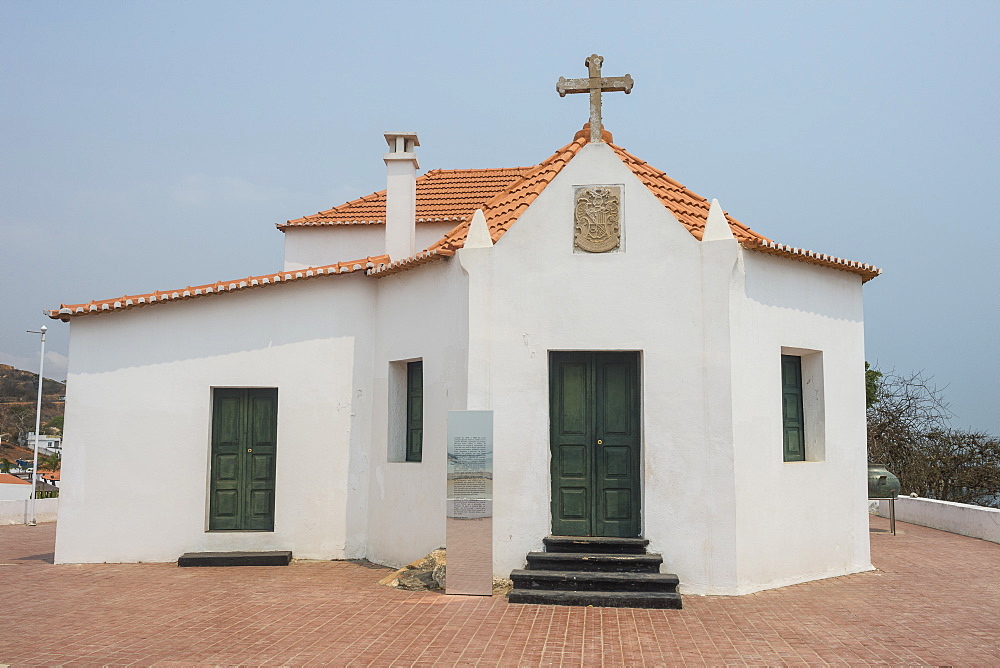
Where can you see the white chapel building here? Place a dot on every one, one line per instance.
(655, 368)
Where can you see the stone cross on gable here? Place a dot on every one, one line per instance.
(595, 85)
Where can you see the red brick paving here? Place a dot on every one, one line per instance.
(935, 600)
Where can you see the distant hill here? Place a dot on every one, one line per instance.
(12, 452)
(18, 395)
(18, 386)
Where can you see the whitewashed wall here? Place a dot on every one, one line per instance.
(807, 520)
(318, 246)
(646, 298)
(961, 518)
(148, 373)
(19, 512)
(660, 296)
(14, 491)
(421, 315)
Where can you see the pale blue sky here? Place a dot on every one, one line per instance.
(154, 145)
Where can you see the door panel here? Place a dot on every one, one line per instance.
(226, 504)
(574, 414)
(617, 504)
(575, 505)
(617, 460)
(594, 413)
(244, 440)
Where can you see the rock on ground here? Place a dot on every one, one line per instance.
(424, 574)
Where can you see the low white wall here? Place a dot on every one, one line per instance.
(16, 512)
(960, 518)
(14, 492)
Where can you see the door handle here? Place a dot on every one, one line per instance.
(249, 449)
(600, 442)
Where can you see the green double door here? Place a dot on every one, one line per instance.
(244, 440)
(595, 440)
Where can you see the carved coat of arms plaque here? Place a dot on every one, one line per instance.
(596, 219)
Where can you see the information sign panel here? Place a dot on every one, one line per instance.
(470, 503)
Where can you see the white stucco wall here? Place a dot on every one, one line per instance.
(806, 520)
(669, 296)
(961, 518)
(14, 491)
(421, 315)
(318, 246)
(19, 512)
(646, 298)
(135, 474)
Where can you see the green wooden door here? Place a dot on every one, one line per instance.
(244, 440)
(595, 441)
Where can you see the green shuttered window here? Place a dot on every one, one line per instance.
(793, 420)
(414, 411)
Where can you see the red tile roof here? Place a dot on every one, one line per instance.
(690, 209)
(504, 208)
(454, 195)
(67, 311)
(8, 479)
(422, 257)
(443, 195)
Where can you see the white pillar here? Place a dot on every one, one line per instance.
(38, 424)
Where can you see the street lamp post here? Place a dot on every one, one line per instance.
(38, 423)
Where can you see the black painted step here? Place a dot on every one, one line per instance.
(593, 581)
(592, 561)
(595, 544)
(601, 599)
(277, 558)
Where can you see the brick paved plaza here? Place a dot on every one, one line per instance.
(934, 600)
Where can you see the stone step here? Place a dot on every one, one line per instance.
(600, 599)
(595, 544)
(276, 558)
(593, 581)
(592, 561)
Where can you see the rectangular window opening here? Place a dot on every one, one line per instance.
(803, 411)
(406, 411)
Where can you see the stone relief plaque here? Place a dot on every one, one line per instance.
(597, 219)
(469, 526)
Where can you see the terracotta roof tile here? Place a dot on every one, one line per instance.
(866, 271)
(690, 208)
(443, 195)
(423, 257)
(505, 207)
(8, 479)
(67, 311)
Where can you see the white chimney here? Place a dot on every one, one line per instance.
(400, 194)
